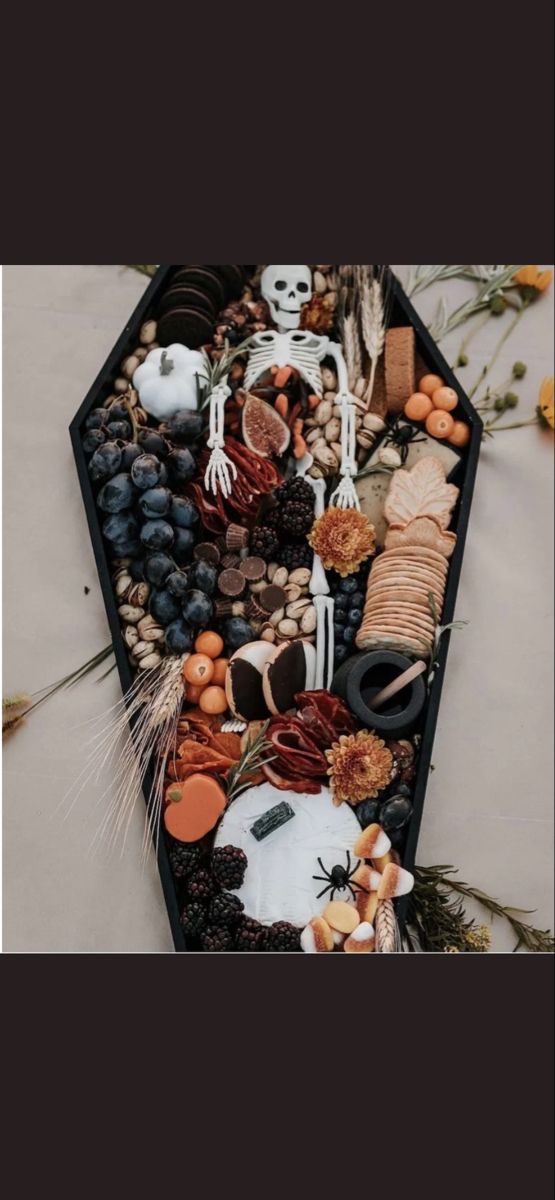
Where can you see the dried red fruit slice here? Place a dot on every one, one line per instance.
(264, 431)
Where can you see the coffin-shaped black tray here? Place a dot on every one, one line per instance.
(403, 313)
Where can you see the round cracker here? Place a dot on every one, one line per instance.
(405, 583)
(387, 642)
(418, 596)
(418, 570)
(401, 625)
(422, 552)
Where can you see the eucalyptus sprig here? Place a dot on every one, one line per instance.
(253, 758)
(440, 919)
(440, 631)
(490, 290)
(143, 269)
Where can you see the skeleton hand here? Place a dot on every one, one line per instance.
(345, 495)
(219, 473)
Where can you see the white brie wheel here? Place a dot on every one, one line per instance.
(278, 884)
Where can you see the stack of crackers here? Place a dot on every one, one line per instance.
(406, 587)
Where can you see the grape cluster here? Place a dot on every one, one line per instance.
(349, 595)
(146, 519)
(392, 809)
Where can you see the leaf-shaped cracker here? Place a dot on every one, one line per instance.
(423, 531)
(421, 492)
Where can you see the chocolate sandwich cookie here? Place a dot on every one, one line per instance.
(183, 296)
(234, 279)
(205, 278)
(186, 325)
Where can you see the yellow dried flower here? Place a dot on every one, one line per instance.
(451, 950)
(360, 766)
(479, 939)
(343, 538)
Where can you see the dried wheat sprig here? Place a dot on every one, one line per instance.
(388, 938)
(352, 349)
(372, 317)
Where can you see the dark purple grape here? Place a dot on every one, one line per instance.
(157, 568)
(184, 540)
(165, 607)
(197, 608)
(181, 465)
(156, 535)
(183, 513)
(238, 632)
(119, 430)
(368, 812)
(146, 472)
(137, 569)
(118, 412)
(127, 549)
(116, 495)
(178, 583)
(185, 426)
(179, 637)
(204, 577)
(105, 462)
(121, 527)
(153, 443)
(395, 813)
(129, 454)
(155, 502)
(93, 439)
(97, 418)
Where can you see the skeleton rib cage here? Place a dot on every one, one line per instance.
(302, 350)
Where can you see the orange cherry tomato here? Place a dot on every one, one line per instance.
(213, 701)
(220, 671)
(209, 643)
(445, 398)
(198, 669)
(430, 383)
(440, 424)
(418, 406)
(460, 434)
(193, 693)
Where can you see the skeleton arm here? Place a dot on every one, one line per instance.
(220, 470)
(345, 496)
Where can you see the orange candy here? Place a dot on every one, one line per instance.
(213, 701)
(194, 807)
(440, 424)
(209, 643)
(418, 406)
(193, 693)
(198, 670)
(460, 434)
(445, 398)
(220, 671)
(430, 383)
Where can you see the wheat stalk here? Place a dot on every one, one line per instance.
(353, 350)
(372, 316)
(388, 938)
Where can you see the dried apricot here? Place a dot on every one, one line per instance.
(445, 398)
(213, 701)
(460, 434)
(209, 643)
(418, 406)
(440, 424)
(430, 383)
(198, 669)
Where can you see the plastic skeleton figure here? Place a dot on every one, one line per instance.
(286, 289)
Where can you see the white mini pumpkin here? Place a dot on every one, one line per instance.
(167, 380)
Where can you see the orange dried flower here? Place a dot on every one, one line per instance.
(343, 538)
(360, 766)
(318, 316)
(532, 281)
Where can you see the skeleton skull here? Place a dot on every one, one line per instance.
(286, 289)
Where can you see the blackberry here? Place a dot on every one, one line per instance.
(229, 864)
(283, 938)
(216, 939)
(296, 489)
(184, 860)
(225, 909)
(264, 543)
(201, 886)
(294, 555)
(250, 936)
(272, 519)
(193, 919)
(297, 518)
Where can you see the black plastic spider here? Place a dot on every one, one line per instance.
(339, 879)
(401, 436)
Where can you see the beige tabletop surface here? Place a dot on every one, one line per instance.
(489, 806)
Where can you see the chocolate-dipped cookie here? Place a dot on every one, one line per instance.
(205, 278)
(185, 296)
(186, 325)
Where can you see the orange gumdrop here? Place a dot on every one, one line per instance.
(198, 669)
(445, 398)
(418, 406)
(209, 643)
(440, 424)
(430, 383)
(460, 434)
(194, 807)
(282, 405)
(213, 701)
(282, 376)
(220, 671)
